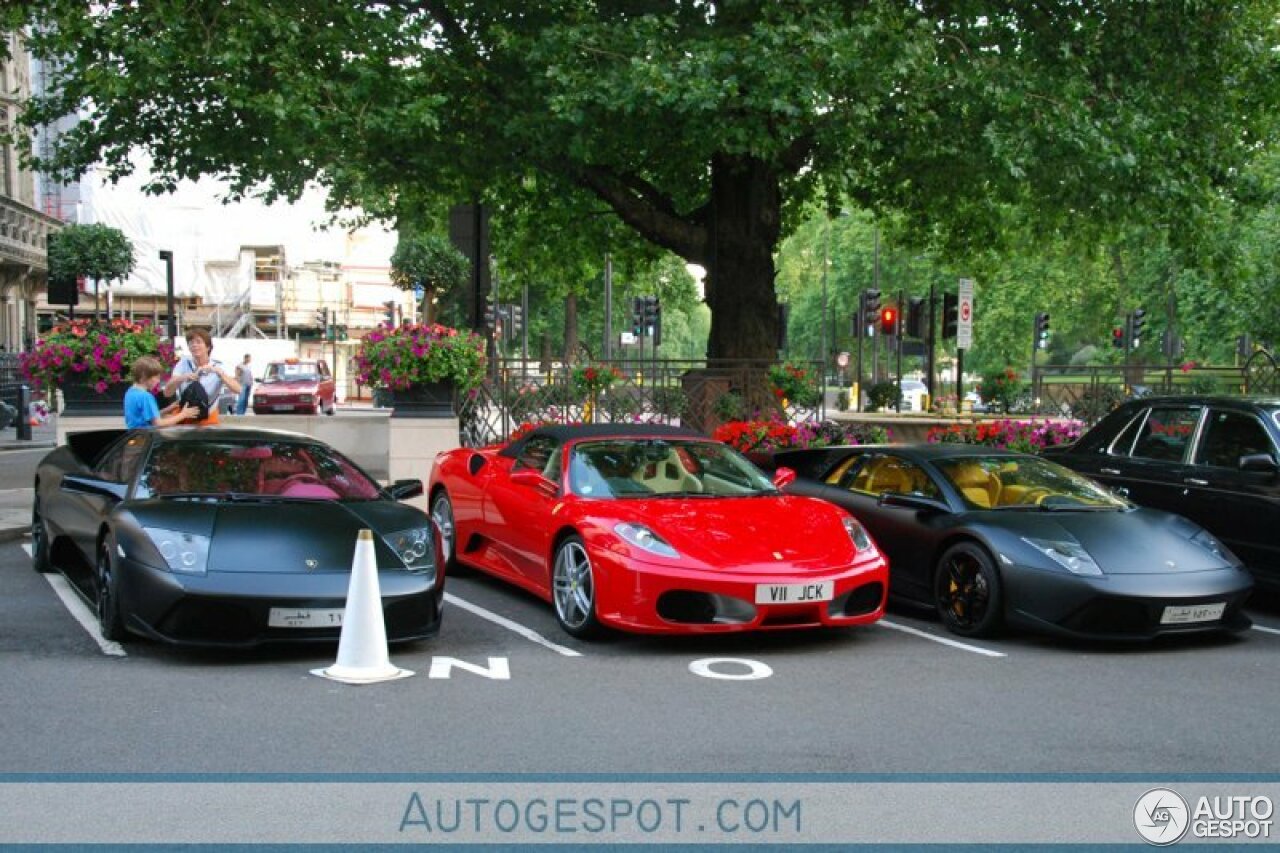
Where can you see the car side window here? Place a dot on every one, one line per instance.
(537, 453)
(1123, 442)
(1230, 435)
(889, 473)
(120, 463)
(1165, 434)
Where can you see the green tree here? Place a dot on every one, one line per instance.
(705, 127)
(431, 262)
(97, 252)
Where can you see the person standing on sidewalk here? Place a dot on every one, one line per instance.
(244, 374)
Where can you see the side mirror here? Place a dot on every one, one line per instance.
(918, 502)
(1260, 462)
(94, 486)
(533, 479)
(403, 489)
(784, 477)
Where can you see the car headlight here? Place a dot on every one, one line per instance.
(413, 546)
(1070, 555)
(858, 534)
(1210, 543)
(306, 398)
(184, 553)
(645, 539)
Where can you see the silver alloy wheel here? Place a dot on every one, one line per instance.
(573, 585)
(442, 515)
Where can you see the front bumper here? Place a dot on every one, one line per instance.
(233, 608)
(651, 599)
(1124, 607)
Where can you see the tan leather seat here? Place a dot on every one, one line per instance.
(978, 486)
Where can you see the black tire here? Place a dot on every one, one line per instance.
(332, 408)
(573, 589)
(442, 516)
(107, 597)
(39, 540)
(967, 591)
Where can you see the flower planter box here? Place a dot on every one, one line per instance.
(82, 400)
(428, 400)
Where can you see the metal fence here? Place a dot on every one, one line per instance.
(1089, 392)
(698, 394)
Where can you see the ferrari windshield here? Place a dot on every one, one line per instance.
(253, 469)
(291, 372)
(1001, 482)
(631, 468)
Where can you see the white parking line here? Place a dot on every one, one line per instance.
(1266, 630)
(977, 650)
(80, 612)
(527, 633)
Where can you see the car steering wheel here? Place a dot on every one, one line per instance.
(1036, 495)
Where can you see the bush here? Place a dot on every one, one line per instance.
(1001, 389)
(794, 385)
(97, 353)
(730, 407)
(670, 401)
(883, 395)
(757, 436)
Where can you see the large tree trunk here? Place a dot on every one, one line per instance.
(570, 329)
(744, 224)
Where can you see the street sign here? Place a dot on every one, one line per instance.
(964, 315)
(842, 360)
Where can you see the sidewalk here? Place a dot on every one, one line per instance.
(15, 504)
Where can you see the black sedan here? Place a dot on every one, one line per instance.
(988, 536)
(1215, 460)
(228, 537)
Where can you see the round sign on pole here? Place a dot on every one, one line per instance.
(842, 360)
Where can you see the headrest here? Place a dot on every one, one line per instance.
(970, 475)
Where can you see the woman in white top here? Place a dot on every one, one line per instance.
(199, 367)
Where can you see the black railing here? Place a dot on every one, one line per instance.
(1089, 392)
(697, 394)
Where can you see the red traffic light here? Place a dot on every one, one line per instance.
(889, 320)
(1117, 337)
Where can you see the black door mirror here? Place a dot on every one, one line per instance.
(403, 489)
(1260, 462)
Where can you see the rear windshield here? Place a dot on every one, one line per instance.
(283, 469)
(285, 372)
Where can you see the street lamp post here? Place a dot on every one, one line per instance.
(171, 320)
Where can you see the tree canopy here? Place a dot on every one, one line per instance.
(706, 127)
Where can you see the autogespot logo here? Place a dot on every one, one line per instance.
(1161, 816)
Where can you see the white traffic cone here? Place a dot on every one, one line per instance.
(362, 646)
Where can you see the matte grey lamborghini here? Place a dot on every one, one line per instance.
(987, 536)
(234, 537)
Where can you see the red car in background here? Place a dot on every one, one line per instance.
(653, 529)
(297, 386)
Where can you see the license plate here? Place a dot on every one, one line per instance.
(282, 408)
(1183, 614)
(794, 593)
(284, 617)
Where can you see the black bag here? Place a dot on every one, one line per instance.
(195, 395)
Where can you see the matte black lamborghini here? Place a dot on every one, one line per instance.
(987, 536)
(228, 536)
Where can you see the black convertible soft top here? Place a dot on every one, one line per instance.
(569, 432)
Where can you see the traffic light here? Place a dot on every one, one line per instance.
(653, 318)
(950, 314)
(1042, 330)
(637, 316)
(915, 317)
(322, 319)
(490, 314)
(389, 310)
(889, 320)
(1137, 319)
(870, 305)
(1117, 337)
(517, 318)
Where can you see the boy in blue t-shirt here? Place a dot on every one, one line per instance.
(140, 407)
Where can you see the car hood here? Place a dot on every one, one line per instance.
(288, 387)
(752, 535)
(1142, 541)
(284, 536)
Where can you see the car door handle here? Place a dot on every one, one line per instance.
(1114, 471)
(1192, 481)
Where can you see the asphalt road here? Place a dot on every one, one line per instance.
(882, 699)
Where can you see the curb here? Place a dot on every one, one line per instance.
(29, 445)
(13, 534)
